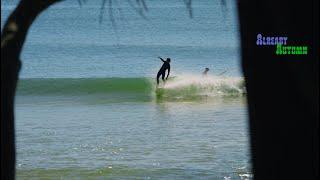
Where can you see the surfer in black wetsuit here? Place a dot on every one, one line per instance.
(205, 72)
(162, 71)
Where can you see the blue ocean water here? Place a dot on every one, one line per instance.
(87, 105)
(68, 41)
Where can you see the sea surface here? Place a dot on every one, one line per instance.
(87, 106)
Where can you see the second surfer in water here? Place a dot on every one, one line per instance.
(205, 72)
(162, 71)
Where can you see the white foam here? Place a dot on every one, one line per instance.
(187, 80)
(207, 85)
(189, 86)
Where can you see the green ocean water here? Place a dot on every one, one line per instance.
(123, 128)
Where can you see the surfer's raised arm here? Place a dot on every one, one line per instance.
(161, 59)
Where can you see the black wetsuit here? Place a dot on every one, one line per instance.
(205, 73)
(162, 71)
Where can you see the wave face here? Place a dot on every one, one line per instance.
(183, 88)
(72, 86)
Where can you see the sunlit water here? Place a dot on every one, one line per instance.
(87, 105)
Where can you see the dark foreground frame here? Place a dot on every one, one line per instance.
(283, 91)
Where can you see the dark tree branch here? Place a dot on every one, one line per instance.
(113, 22)
(119, 10)
(103, 5)
(189, 7)
(80, 2)
(144, 5)
(138, 10)
(12, 39)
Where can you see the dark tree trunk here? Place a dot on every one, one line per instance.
(283, 91)
(12, 40)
